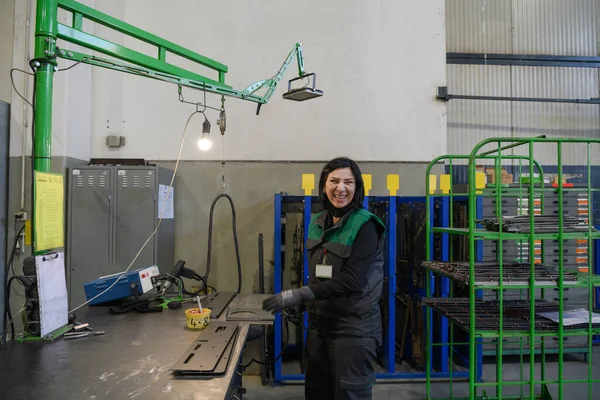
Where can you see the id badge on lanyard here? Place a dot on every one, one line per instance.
(324, 270)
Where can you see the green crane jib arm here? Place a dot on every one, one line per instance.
(48, 30)
(272, 83)
(154, 67)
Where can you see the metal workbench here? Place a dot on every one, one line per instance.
(132, 360)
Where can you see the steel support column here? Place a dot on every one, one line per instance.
(43, 63)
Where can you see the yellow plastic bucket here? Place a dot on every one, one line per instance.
(196, 319)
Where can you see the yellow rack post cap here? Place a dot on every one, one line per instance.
(368, 182)
(308, 183)
(393, 183)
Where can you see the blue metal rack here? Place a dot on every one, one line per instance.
(389, 351)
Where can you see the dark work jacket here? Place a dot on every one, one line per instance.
(351, 314)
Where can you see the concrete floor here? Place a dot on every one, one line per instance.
(574, 368)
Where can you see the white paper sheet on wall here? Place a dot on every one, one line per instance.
(52, 289)
(165, 204)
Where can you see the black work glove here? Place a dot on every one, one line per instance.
(288, 298)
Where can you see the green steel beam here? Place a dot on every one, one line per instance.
(149, 73)
(45, 51)
(130, 30)
(122, 53)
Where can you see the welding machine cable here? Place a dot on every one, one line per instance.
(235, 240)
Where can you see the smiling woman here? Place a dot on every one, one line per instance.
(341, 187)
(345, 244)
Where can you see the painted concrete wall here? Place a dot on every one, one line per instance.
(7, 10)
(379, 82)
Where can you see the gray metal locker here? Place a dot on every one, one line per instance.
(134, 216)
(89, 228)
(112, 211)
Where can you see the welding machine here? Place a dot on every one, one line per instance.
(129, 284)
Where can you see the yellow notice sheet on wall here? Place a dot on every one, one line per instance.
(49, 211)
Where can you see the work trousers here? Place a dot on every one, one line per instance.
(339, 367)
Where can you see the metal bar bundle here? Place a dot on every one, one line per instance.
(542, 224)
(488, 273)
(516, 314)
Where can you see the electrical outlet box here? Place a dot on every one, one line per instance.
(115, 141)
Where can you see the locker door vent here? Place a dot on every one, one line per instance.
(125, 182)
(147, 181)
(79, 181)
(102, 182)
(91, 180)
(136, 181)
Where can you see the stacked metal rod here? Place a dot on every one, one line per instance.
(516, 314)
(542, 224)
(488, 273)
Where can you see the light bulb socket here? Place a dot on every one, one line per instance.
(206, 126)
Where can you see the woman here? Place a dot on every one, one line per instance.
(345, 243)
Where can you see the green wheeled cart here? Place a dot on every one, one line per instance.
(532, 321)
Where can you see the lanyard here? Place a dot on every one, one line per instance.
(324, 255)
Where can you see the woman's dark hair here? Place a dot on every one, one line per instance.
(359, 192)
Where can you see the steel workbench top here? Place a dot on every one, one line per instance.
(132, 360)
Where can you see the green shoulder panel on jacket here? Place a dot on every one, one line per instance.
(315, 231)
(348, 233)
(375, 217)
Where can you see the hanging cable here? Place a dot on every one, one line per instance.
(10, 322)
(12, 81)
(235, 240)
(8, 267)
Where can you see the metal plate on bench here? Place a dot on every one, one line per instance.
(240, 313)
(218, 302)
(222, 365)
(207, 350)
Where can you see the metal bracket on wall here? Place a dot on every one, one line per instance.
(115, 141)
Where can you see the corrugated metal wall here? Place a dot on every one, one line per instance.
(555, 27)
